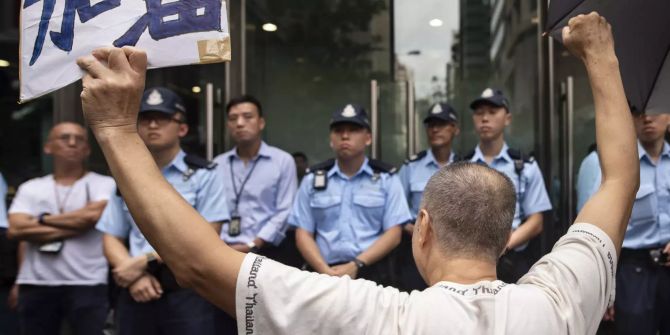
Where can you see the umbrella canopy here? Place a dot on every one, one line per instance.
(641, 30)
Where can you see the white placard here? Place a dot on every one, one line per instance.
(54, 33)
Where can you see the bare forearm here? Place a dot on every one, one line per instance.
(82, 219)
(26, 228)
(178, 233)
(310, 250)
(610, 207)
(115, 250)
(527, 231)
(382, 247)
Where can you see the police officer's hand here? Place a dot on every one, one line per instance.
(667, 252)
(146, 289)
(130, 270)
(346, 269)
(13, 297)
(241, 247)
(609, 314)
(113, 87)
(589, 37)
(408, 229)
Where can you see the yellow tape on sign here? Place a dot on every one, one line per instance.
(214, 51)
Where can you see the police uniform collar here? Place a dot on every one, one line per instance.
(178, 162)
(430, 158)
(641, 152)
(479, 156)
(364, 168)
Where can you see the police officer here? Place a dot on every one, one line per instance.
(643, 274)
(441, 128)
(491, 115)
(153, 302)
(349, 210)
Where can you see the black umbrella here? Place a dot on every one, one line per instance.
(641, 31)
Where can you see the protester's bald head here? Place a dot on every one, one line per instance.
(68, 141)
(471, 207)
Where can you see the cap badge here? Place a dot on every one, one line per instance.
(155, 98)
(487, 93)
(349, 111)
(437, 109)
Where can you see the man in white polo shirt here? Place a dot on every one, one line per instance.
(461, 230)
(64, 273)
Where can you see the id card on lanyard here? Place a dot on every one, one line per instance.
(235, 227)
(55, 247)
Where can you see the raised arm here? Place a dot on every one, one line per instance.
(590, 38)
(184, 239)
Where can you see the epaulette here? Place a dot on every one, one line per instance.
(520, 159)
(196, 162)
(516, 154)
(381, 167)
(418, 156)
(325, 165)
(468, 156)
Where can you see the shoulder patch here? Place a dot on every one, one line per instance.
(418, 156)
(196, 162)
(325, 165)
(379, 166)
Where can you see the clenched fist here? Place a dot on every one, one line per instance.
(113, 87)
(589, 37)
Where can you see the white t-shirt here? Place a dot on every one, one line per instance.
(565, 292)
(81, 261)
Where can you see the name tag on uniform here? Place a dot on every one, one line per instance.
(235, 226)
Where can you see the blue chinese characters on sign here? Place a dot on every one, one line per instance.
(174, 18)
(64, 39)
(164, 18)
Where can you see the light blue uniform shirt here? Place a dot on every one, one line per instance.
(588, 179)
(266, 199)
(531, 194)
(414, 177)
(351, 213)
(203, 190)
(3, 206)
(649, 225)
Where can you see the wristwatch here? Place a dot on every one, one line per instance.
(40, 218)
(151, 256)
(252, 246)
(359, 263)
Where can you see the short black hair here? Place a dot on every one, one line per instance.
(245, 99)
(299, 154)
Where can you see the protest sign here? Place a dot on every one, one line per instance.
(54, 33)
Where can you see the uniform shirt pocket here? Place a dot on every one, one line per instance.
(370, 209)
(644, 209)
(325, 210)
(416, 193)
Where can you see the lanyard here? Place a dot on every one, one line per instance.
(59, 204)
(244, 183)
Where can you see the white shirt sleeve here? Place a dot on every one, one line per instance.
(578, 277)
(272, 298)
(24, 201)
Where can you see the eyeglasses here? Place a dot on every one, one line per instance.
(67, 138)
(160, 120)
